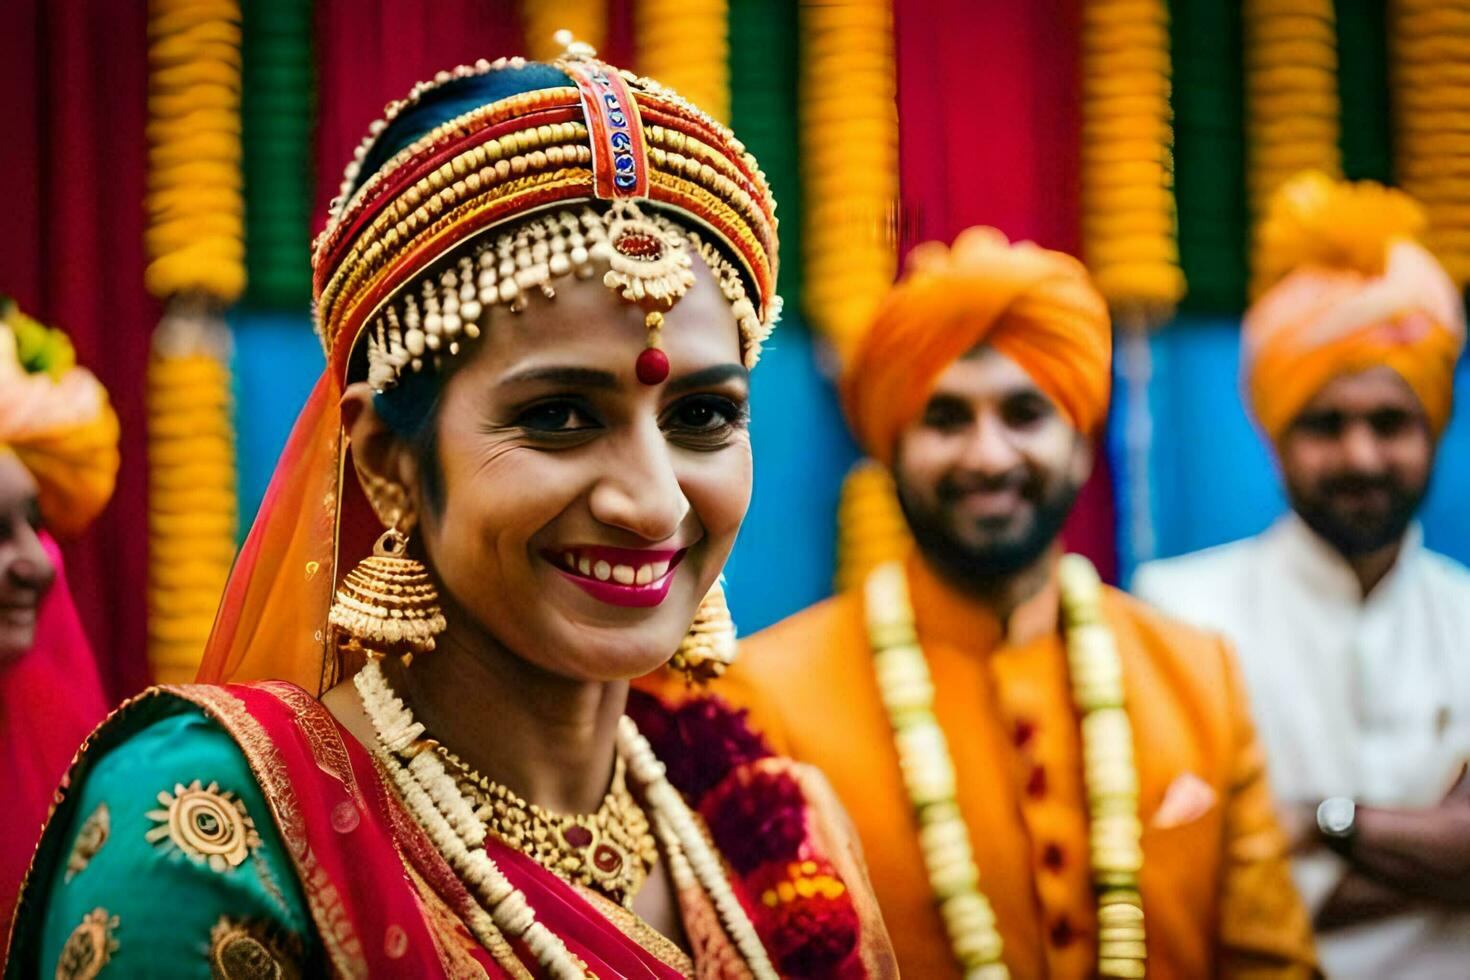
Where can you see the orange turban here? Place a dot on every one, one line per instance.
(56, 418)
(1357, 292)
(1033, 305)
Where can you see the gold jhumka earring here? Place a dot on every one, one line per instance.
(387, 605)
(709, 646)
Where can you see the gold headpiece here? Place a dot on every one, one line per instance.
(609, 169)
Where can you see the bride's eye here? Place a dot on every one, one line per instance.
(705, 415)
(556, 415)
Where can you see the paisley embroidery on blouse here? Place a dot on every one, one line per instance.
(89, 841)
(88, 948)
(207, 824)
(244, 950)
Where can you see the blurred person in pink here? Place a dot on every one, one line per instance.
(58, 460)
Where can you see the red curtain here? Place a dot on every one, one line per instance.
(371, 52)
(989, 121)
(73, 97)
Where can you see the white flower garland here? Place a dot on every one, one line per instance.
(907, 690)
(434, 799)
(450, 822)
(677, 824)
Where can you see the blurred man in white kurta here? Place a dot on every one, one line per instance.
(1353, 637)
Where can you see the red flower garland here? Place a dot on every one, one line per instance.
(759, 819)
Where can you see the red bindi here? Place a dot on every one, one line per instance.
(652, 366)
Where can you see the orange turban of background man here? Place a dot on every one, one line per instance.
(55, 416)
(1036, 306)
(1355, 291)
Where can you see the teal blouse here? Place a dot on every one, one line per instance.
(170, 866)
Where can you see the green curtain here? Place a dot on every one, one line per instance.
(277, 120)
(1362, 83)
(763, 86)
(1209, 153)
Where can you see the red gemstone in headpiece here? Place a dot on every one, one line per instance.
(639, 245)
(652, 366)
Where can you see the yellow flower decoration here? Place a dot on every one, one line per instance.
(685, 45)
(1292, 105)
(871, 529)
(1429, 51)
(850, 164)
(1129, 214)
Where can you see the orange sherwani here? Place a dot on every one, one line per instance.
(1216, 892)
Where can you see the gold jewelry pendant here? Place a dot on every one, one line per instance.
(387, 604)
(709, 646)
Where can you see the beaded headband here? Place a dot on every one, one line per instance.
(608, 170)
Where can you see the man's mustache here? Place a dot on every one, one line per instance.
(953, 488)
(1359, 483)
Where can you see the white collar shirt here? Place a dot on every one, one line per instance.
(1361, 697)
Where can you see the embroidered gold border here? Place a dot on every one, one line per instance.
(645, 935)
(333, 923)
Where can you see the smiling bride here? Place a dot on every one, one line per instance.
(540, 296)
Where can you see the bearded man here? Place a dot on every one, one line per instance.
(1048, 778)
(1352, 635)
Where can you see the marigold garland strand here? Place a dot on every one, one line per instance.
(196, 247)
(1129, 215)
(685, 45)
(191, 488)
(1429, 49)
(849, 164)
(585, 19)
(1292, 103)
(871, 529)
(1128, 212)
(196, 214)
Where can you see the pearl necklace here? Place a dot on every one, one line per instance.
(1116, 853)
(433, 796)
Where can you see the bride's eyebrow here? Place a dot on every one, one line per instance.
(708, 377)
(573, 376)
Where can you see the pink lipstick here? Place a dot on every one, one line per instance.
(634, 578)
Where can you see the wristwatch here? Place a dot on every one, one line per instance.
(1337, 822)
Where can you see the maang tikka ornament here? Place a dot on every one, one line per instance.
(387, 605)
(650, 265)
(651, 269)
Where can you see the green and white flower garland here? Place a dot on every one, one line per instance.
(907, 690)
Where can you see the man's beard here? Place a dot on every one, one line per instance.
(1357, 534)
(980, 564)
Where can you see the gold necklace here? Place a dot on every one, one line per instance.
(501, 911)
(611, 850)
(1116, 853)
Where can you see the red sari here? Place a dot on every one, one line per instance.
(385, 903)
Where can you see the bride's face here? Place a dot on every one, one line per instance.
(578, 515)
